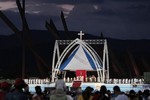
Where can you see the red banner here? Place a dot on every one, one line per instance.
(81, 73)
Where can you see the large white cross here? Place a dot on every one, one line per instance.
(80, 34)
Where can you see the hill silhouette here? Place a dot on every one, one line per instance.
(127, 58)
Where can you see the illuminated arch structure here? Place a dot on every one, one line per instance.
(82, 57)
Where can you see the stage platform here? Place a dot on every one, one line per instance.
(97, 85)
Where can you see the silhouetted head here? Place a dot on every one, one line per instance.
(38, 89)
(132, 94)
(103, 89)
(116, 88)
(19, 84)
(60, 76)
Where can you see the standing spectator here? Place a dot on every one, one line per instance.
(102, 95)
(86, 94)
(77, 93)
(4, 89)
(140, 95)
(59, 94)
(69, 97)
(118, 94)
(132, 95)
(60, 83)
(38, 95)
(146, 94)
(109, 94)
(96, 95)
(18, 93)
(27, 92)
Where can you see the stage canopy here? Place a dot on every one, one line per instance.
(79, 59)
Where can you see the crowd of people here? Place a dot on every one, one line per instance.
(19, 90)
(87, 79)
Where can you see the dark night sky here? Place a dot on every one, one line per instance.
(122, 19)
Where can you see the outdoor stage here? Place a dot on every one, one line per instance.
(80, 57)
(96, 86)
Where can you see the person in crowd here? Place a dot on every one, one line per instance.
(18, 93)
(109, 94)
(118, 95)
(96, 95)
(86, 94)
(52, 92)
(39, 94)
(4, 89)
(77, 93)
(69, 95)
(140, 95)
(60, 83)
(27, 92)
(132, 95)
(58, 94)
(46, 94)
(146, 94)
(102, 94)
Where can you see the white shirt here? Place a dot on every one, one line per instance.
(122, 97)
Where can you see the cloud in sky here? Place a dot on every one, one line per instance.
(124, 19)
(5, 5)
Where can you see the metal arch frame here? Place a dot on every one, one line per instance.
(56, 51)
(97, 60)
(103, 72)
